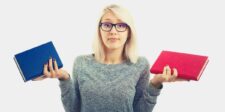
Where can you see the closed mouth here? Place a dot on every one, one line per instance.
(113, 39)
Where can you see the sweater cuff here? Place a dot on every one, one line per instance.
(154, 91)
(65, 84)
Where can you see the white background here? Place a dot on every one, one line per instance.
(192, 26)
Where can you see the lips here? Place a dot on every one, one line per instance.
(113, 39)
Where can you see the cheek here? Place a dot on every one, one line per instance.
(104, 34)
(124, 37)
(104, 37)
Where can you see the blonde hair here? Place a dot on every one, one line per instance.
(130, 50)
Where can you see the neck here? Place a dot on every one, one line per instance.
(114, 56)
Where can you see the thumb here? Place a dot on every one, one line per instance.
(39, 78)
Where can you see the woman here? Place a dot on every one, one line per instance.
(114, 78)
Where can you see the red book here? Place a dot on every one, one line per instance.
(189, 66)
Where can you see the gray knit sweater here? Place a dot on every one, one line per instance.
(98, 87)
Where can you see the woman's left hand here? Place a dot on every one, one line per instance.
(166, 76)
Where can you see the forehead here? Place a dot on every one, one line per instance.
(110, 17)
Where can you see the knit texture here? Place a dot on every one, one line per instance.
(98, 87)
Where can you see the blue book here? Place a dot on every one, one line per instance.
(31, 62)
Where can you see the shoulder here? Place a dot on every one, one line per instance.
(143, 61)
(82, 58)
(141, 64)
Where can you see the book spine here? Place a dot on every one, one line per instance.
(203, 68)
(21, 72)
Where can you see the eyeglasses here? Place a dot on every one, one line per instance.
(120, 27)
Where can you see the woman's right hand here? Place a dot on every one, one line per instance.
(49, 72)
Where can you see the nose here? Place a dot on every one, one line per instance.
(113, 30)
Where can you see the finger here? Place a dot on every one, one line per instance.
(46, 72)
(164, 70)
(56, 68)
(39, 78)
(175, 74)
(168, 70)
(55, 64)
(50, 66)
(163, 75)
(168, 73)
(180, 79)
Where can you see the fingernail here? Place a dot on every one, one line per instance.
(50, 57)
(53, 59)
(45, 64)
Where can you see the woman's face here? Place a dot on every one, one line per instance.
(113, 31)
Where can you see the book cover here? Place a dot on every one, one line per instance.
(31, 62)
(189, 66)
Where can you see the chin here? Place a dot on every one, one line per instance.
(113, 47)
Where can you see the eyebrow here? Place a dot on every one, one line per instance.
(107, 19)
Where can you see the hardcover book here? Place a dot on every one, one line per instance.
(31, 62)
(189, 66)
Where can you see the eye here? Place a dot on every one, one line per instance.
(121, 25)
(107, 25)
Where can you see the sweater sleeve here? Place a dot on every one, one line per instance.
(70, 94)
(146, 95)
